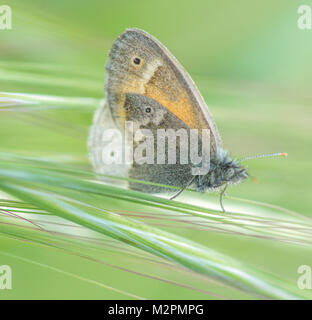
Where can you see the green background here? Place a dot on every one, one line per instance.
(252, 65)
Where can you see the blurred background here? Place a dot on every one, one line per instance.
(253, 67)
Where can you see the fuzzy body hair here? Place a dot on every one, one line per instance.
(223, 171)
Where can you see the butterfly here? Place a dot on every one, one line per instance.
(146, 85)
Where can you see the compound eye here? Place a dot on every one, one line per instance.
(229, 172)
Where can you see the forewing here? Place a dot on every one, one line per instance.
(159, 76)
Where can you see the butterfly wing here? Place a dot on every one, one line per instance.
(176, 168)
(140, 64)
(105, 137)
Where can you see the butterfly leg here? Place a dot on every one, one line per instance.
(222, 193)
(183, 189)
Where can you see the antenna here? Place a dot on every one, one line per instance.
(284, 154)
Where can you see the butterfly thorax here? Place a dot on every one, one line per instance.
(223, 171)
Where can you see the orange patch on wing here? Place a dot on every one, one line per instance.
(182, 107)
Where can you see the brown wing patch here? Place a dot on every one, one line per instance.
(132, 82)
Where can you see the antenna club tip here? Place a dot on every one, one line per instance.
(284, 154)
(255, 179)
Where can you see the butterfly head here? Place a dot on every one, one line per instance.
(223, 171)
